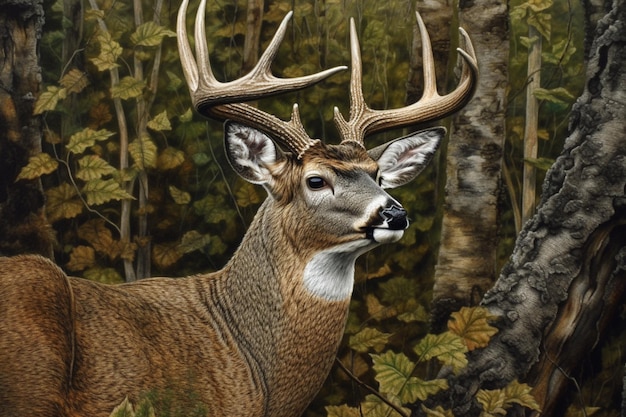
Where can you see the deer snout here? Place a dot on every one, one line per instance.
(389, 224)
(394, 217)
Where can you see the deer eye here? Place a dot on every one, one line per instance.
(316, 183)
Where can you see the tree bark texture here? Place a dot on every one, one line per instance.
(467, 255)
(24, 228)
(567, 272)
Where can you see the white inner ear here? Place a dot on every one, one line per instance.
(405, 158)
(251, 153)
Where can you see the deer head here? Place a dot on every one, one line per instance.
(334, 191)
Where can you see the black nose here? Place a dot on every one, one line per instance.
(395, 217)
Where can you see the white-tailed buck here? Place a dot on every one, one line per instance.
(258, 337)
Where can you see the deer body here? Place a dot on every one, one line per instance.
(258, 337)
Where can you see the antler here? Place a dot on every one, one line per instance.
(431, 106)
(223, 100)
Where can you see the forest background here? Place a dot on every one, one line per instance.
(136, 183)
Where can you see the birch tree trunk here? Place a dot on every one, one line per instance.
(469, 238)
(24, 228)
(568, 269)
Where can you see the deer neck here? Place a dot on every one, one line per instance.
(290, 331)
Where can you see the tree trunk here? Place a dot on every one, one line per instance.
(24, 228)
(568, 268)
(467, 255)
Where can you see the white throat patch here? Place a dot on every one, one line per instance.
(330, 274)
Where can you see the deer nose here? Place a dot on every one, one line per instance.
(395, 217)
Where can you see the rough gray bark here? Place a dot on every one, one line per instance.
(24, 228)
(467, 255)
(569, 264)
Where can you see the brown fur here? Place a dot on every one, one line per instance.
(244, 342)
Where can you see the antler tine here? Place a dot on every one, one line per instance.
(225, 100)
(431, 106)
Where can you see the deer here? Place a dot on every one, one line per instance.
(258, 337)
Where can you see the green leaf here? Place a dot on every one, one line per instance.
(446, 347)
(144, 152)
(160, 122)
(92, 167)
(528, 42)
(212, 208)
(38, 165)
(179, 196)
(62, 202)
(86, 138)
(105, 276)
(48, 100)
(542, 22)
(558, 95)
(393, 373)
(150, 34)
(127, 88)
(100, 191)
(416, 313)
(543, 164)
(193, 240)
(110, 51)
(369, 338)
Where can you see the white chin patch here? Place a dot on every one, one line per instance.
(387, 235)
(330, 274)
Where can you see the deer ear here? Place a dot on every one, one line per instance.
(401, 160)
(251, 153)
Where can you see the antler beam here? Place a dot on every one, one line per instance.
(431, 106)
(224, 100)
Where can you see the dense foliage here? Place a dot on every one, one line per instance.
(137, 185)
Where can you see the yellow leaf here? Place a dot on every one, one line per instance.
(375, 407)
(128, 87)
(378, 311)
(446, 347)
(160, 122)
(150, 34)
(471, 324)
(81, 257)
(342, 411)
(74, 81)
(110, 51)
(165, 254)
(144, 152)
(492, 402)
(521, 394)
(170, 158)
(87, 137)
(247, 195)
(99, 191)
(179, 196)
(125, 409)
(369, 338)
(92, 167)
(48, 99)
(97, 235)
(38, 165)
(104, 275)
(437, 412)
(62, 202)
